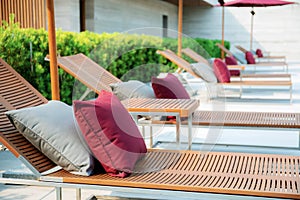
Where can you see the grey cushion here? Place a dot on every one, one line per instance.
(51, 128)
(205, 72)
(132, 89)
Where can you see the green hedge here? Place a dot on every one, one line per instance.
(125, 56)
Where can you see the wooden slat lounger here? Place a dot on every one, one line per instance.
(181, 63)
(260, 64)
(74, 63)
(265, 58)
(198, 58)
(186, 171)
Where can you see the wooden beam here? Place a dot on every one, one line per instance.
(180, 11)
(52, 51)
(223, 26)
(82, 15)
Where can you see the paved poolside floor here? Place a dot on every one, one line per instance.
(227, 140)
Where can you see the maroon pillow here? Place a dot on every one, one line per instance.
(234, 72)
(259, 53)
(111, 133)
(169, 87)
(249, 57)
(221, 71)
(229, 60)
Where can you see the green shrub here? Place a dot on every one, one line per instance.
(125, 56)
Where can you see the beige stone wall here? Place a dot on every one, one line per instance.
(127, 15)
(276, 29)
(67, 15)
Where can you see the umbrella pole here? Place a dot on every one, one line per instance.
(222, 52)
(52, 51)
(251, 34)
(180, 10)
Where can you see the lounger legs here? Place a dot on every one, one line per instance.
(58, 193)
(190, 132)
(151, 136)
(299, 141)
(291, 94)
(78, 193)
(178, 130)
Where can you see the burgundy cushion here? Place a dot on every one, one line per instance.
(229, 60)
(234, 72)
(259, 53)
(221, 71)
(169, 87)
(111, 133)
(249, 57)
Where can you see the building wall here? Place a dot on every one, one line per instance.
(276, 29)
(67, 15)
(128, 15)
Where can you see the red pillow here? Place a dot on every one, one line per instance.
(229, 60)
(249, 57)
(221, 71)
(259, 53)
(111, 133)
(169, 87)
(234, 72)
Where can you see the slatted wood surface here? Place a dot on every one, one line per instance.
(214, 172)
(187, 67)
(195, 56)
(184, 107)
(247, 119)
(242, 49)
(88, 72)
(16, 93)
(260, 64)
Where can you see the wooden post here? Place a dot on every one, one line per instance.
(251, 33)
(180, 11)
(82, 15)
(52, 51)
(222, 52)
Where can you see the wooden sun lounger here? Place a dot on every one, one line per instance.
(267, 58)
(195, 172)
(288, 121)
(260, 64)
(198, 58)
(202, 118)
(181, 63)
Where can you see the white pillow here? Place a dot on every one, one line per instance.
(132, 89)
(205, 72)
(51, 128)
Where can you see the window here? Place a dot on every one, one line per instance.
(165, 25)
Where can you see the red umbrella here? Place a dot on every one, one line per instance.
(255, 3)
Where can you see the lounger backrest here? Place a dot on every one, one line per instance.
(224, 49)
(16, 93)
(88, 72)
(180, 62)
(195, 56)
(242, 49)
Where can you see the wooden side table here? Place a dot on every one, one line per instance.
(165, 107)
